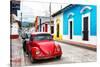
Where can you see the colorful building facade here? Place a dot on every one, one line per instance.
(58, 27)
(76, 23)
(44, 25)
(15, 23)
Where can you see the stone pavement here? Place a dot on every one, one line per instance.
(17, 57)
(71, 54)
(79, 44)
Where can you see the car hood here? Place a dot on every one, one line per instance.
(46, 46)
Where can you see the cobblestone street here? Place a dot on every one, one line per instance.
(71, 54)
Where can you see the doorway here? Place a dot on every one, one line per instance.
(58, 30)
(52, 29)
(85, 28)
(70, 29)
(46, 28)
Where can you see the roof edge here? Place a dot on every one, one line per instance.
(60, 11)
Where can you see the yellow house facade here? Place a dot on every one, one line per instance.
(58, 30)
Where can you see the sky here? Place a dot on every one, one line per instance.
(32, 8)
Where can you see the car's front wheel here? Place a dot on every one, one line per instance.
(32, 59)
(58, 57)
(24, 46)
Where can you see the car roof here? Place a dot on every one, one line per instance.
(36, 33)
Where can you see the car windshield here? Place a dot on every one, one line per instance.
(42, 37)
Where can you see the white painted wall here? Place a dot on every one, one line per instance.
(14, 29)
(48, 25)
(55, 25)
(92, 39)
(49, 30)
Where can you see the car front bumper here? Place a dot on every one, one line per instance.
(40, 57)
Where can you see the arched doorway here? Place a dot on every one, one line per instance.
(86, 22)
(70, 25)
(70, 32)
(58, 30)
(85, 11)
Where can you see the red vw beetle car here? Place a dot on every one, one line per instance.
(42, 46)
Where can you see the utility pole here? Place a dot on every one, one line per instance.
(20, 29)
(21, 20)
(50, 16)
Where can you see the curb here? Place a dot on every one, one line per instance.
(78, 44)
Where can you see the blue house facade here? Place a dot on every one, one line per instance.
(79, 23)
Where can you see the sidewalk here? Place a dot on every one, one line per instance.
(79, 44)
(17, 56)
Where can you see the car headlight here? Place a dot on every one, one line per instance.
(56, 43)
(58, 48)
(37, 51)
